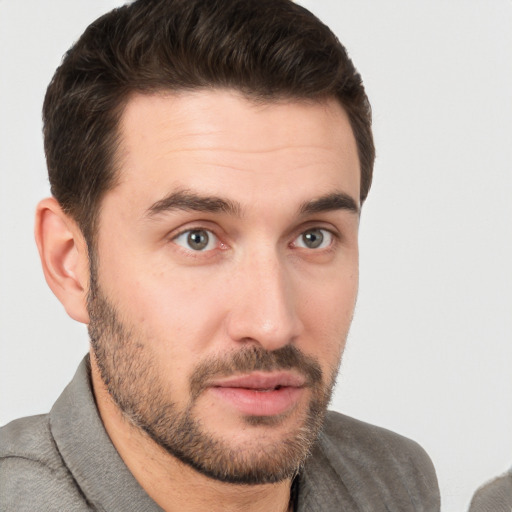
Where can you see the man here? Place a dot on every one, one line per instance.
(208, 162)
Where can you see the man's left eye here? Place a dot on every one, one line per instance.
(314, 239)
(197, 240)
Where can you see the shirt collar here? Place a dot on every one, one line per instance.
(88, 453)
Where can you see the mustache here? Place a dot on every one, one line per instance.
(255, 358)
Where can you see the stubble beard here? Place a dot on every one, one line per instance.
(127, 370)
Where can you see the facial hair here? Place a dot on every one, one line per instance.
(127, 369)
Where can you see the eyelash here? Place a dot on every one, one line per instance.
(188, 232)
(333, 238)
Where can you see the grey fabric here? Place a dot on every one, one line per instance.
(495, 496)
(65, 461)
(357, 467)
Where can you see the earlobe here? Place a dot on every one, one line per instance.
(64, 257)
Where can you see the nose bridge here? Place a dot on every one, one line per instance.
(265, 307)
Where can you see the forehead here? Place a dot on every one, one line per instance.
(218, 139)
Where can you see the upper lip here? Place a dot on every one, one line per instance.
(261, 380)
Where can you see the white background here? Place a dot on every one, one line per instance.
(430, 352)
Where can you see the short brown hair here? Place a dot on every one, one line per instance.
(266, 49)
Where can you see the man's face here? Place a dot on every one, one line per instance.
(225, 277)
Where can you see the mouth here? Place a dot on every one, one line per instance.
(259, 393)
(262, 381)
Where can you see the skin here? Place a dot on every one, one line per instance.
(256, 284)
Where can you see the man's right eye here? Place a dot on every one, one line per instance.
(199, 240)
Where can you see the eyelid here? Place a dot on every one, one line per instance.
(333, 228)
(333, 237)
(213, 230)
(194, 225)
(213, 239)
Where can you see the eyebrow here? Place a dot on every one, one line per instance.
(330, 202)
(187, 200)
(190, 201)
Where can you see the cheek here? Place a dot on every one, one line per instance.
(173, 327)
(327, 314)
(177, 311)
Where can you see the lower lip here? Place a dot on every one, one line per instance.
(259, 403)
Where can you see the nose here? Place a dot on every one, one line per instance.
(264, 307)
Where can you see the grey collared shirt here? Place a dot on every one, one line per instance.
(65, 461)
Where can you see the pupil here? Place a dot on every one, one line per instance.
(198, 240)
(313, 238)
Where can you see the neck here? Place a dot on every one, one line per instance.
(173, 485)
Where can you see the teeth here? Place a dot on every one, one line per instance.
(265, 390)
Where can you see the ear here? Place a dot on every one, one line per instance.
(64, 257)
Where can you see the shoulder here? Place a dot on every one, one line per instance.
(372, 467)
(495, 496)
(32, 473)
(376, 444)
(28, 438)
